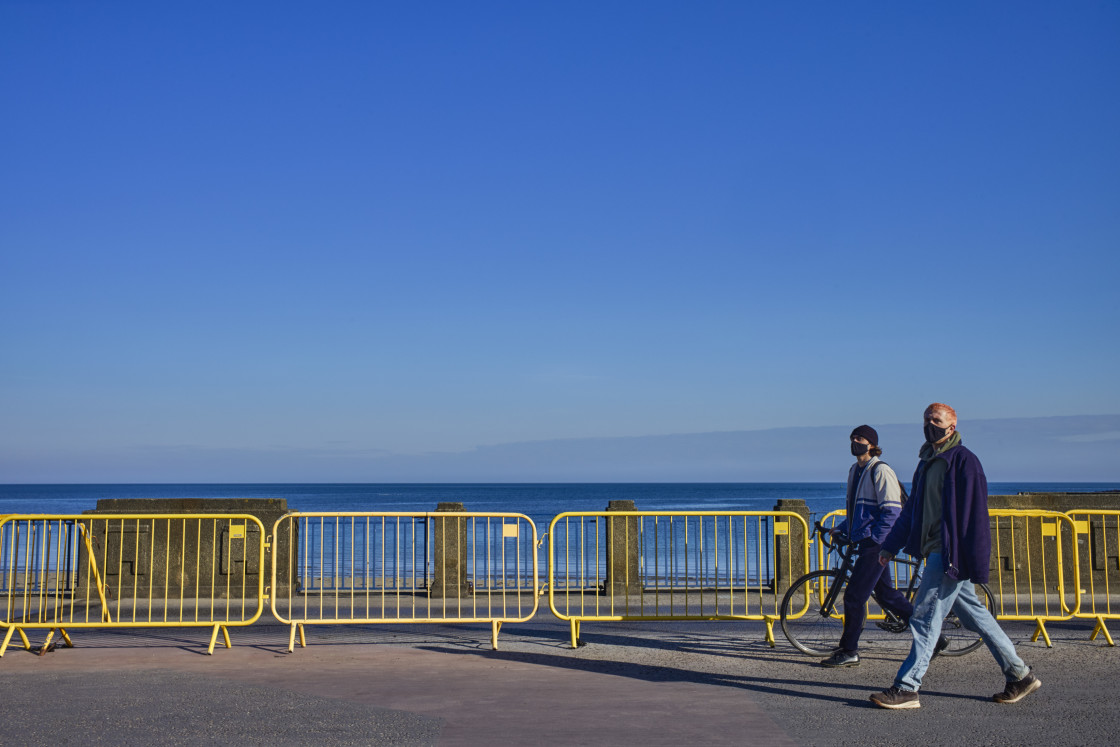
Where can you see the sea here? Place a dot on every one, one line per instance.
(539, 501)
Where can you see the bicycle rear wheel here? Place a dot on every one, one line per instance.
(962, 640)
(808, 627)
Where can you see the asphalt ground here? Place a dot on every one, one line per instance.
(630, 683)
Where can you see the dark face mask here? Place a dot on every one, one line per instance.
(934, 434)
(859, 449)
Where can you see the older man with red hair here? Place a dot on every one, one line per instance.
(946, 522)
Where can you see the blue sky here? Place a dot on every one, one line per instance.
(376, 228)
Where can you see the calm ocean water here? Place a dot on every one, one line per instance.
(540, 502)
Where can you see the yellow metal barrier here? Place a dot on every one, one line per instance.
(1098, 569)
(673, 565)
(129, 570)
(1035, 560)
(442, 567)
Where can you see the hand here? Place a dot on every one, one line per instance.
(883, 560)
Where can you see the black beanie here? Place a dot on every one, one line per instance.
(867, 432)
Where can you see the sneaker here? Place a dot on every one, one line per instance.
(896, 698)
(841, 658)
(1019, 689)
(892, 626)
(942, 644)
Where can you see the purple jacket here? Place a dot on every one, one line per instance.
(966, 536)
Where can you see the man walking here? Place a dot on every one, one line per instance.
(946, 521)
(874, 502)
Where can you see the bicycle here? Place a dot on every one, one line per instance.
(812, 612)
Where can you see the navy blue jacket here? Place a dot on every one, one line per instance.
(966, 535)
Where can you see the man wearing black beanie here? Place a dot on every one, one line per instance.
(874, 502)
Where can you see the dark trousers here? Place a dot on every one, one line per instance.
(868, 575)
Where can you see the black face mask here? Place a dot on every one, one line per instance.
(934, 434)
(859, 449)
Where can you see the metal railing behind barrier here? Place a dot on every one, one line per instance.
(673, 565)
(1098, 568)
(441, 567)
(129, 570)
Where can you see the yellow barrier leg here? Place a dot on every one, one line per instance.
(302, 638)
(1101, 628)
(7, 638)
(770, 631)
(494, 636)
(213, 640)
(69, 643)
(1040, 630)
(292, 639)
(575, 633)
(225, 634)
(26, 643)
(47, 647)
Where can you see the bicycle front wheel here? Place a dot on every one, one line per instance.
(962, 640)
(808, 626)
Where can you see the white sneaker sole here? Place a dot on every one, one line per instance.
(910, 704)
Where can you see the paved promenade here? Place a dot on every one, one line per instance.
(632, 683)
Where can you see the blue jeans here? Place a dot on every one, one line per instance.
(937, 594)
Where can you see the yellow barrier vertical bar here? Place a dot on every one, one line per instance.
(472, 560)
(488, 561)
(656, 564)
(336, 568)
(384, 542)
(999, 571)
(306, 574)
(460, 559)
(415, 586)
(353, 566)
(72, 561)
(40, 570)
(322, 563)
(197, 571)
(151, 567)
(1107, 585)
(671, 569)
(687, 575)
(9, 528)
(135, 568)
(600, 524)
(397, 571)
(553, 550)
(229, 569)
(730, 567)
(502, 576)
(167, 572)
(57, 603)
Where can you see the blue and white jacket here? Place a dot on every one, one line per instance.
(874, 503)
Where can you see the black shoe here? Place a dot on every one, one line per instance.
(942, 644)
(1019, 689)
(892, 626)
(841, 658)
(895, 698)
